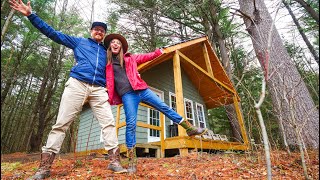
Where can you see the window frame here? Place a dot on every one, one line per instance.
(198, 117)
(185, 110)
(170, 103)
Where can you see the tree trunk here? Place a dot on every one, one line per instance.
(43, 111)
(309, 9)
(2, 5)
(284, 77)
(6, 25)
(9, 79)
(303, 35)
(43, 106)
(217, 35)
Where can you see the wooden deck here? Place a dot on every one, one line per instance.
(179, 143)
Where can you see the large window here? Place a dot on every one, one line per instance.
(200, 115)
(154, 119)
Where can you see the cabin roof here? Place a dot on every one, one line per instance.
(216, 90)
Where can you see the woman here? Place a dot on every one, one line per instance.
(125, 85)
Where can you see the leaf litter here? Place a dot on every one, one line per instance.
(250, 165)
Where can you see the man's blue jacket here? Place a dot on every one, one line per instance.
(89, 54)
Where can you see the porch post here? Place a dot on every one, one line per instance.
(118, 119)
(240, 120)
(162, 147)
(179, 97)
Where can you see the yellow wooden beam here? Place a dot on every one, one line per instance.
(188, 142)
(178, 91)
(162, 135)
(207, 59)
(141, 124)
(183, 144)
(240, 120)
(185, 58)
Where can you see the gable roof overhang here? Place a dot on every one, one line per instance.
(216, 89)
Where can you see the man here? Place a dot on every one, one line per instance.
(86, 83)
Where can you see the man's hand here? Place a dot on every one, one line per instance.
(21, 7)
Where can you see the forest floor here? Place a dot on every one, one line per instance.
(194, 166)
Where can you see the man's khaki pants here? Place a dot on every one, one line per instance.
(73, 98)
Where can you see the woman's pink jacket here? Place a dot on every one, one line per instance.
(131, 63)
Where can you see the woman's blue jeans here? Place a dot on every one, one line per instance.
(131, 102)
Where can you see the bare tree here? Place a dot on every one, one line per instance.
(210, 22)
(42, 112)
(309, 9)
(298, 128)
(280, 73)
(303, 35)
(203, 18)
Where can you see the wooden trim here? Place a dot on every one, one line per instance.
(207, 59)
(178, 90)
(150, 64)
(183, 151)
(185, 58)
(184, 44)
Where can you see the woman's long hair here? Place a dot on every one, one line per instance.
(119, 56)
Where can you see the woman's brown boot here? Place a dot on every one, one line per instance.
(132, 168)
(192, 130)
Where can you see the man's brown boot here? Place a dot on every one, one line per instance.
(115, 165)
(192, 130)
(132, 168)
(45, 165)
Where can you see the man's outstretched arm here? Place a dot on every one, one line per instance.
(42, 26)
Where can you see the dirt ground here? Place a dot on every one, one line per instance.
(194, 166)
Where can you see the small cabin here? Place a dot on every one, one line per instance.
(190, 79)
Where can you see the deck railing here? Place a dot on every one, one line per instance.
(145, 125)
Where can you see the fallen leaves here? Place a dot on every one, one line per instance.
(194, 166)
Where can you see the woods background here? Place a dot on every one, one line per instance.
(34, 69)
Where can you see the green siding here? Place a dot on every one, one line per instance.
(160, 78)
(89, 125)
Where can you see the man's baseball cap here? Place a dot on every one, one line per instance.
(104, 25)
